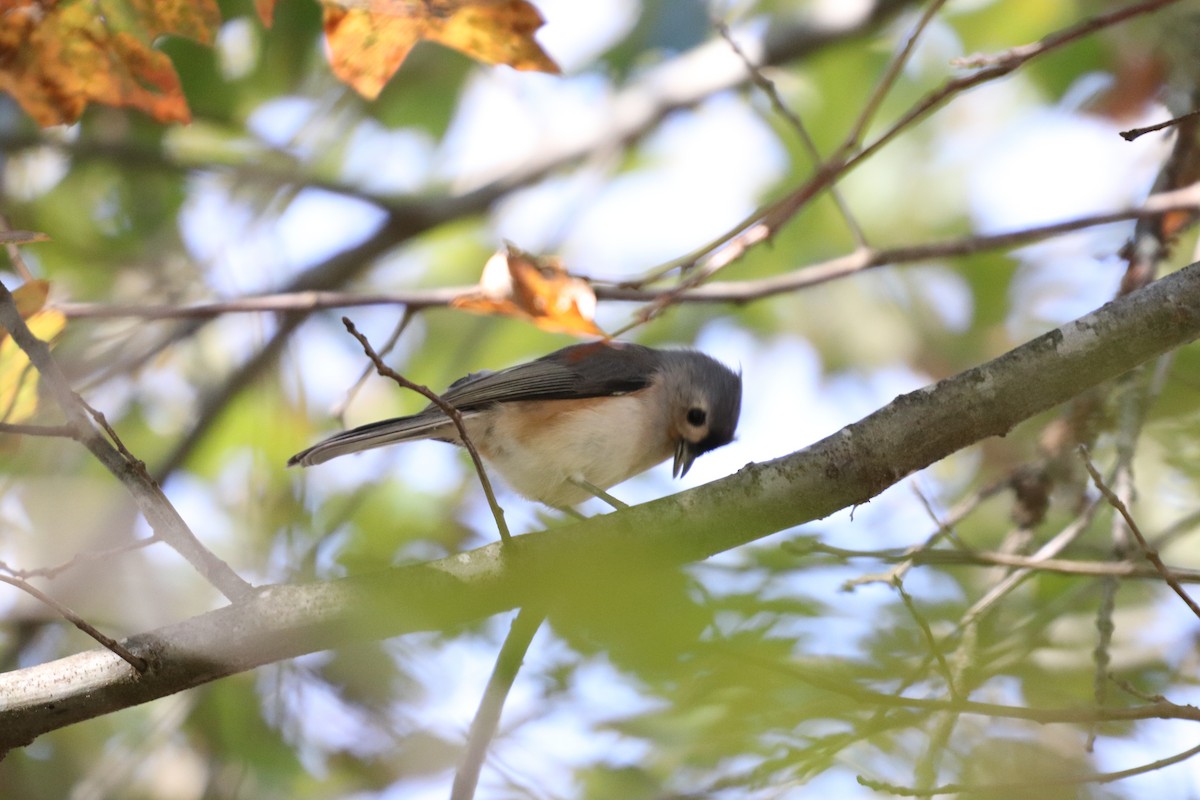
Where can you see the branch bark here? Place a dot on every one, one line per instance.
(845, 469)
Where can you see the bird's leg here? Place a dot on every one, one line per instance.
(598, 492)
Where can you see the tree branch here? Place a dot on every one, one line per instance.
(1186, 199)
(447, 409)
(845, 469)
(147, 495)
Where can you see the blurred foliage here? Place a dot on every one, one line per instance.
(759, 673)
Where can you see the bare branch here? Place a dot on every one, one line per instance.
(487, 716)
(406, 318)
(26, 429)
(1015, 56)
(849, 155)
(79, 558)
(1060, 566)
(158, 511)
(768, 88)
(138, 663)
(1149, 552)
(888, 80)
(450, 411)
(1018, 788)
(1134, 133)
(843, 470)
(720, 292)
(278, 302)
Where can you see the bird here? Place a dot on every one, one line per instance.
(569, 425)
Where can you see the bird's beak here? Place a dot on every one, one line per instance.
(684, 456)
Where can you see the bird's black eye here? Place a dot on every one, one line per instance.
(696, 417)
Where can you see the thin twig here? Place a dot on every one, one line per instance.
(137, 662)
(1102, 651)
(1129, 688)
(850, 156)
(1022, 788)
(704, 270)
(1021, 54)
(1059, 566)
(1149, 552)
(930, 640)
(1135, 393)
(25, 429)
(102, 421)
(989, 558)
(487, 716)
(1051, 548)
(276, 302)
(835, 683)
(449, 410)
(1134, 133)
(11, 240)
(768, 88)
(1187, 198)
(945, 527)
(890, 75)
(340, 409)
(684, 263)
(79, 558)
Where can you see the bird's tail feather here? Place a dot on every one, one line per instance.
(426, 425)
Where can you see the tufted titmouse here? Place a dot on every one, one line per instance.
(578, 420)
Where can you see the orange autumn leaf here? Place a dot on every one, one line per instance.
(29, 299)
(18, 379)
(56, 56)
(265, 10)
(516, 284)
(369, 39)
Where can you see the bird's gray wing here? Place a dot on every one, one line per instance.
(595, 369)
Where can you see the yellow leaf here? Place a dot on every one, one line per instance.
(18, 378)
(496, 32)
(369, 39)
(29, 297)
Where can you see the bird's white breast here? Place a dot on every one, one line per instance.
(540, 446)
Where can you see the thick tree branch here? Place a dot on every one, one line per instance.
(845, 469)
